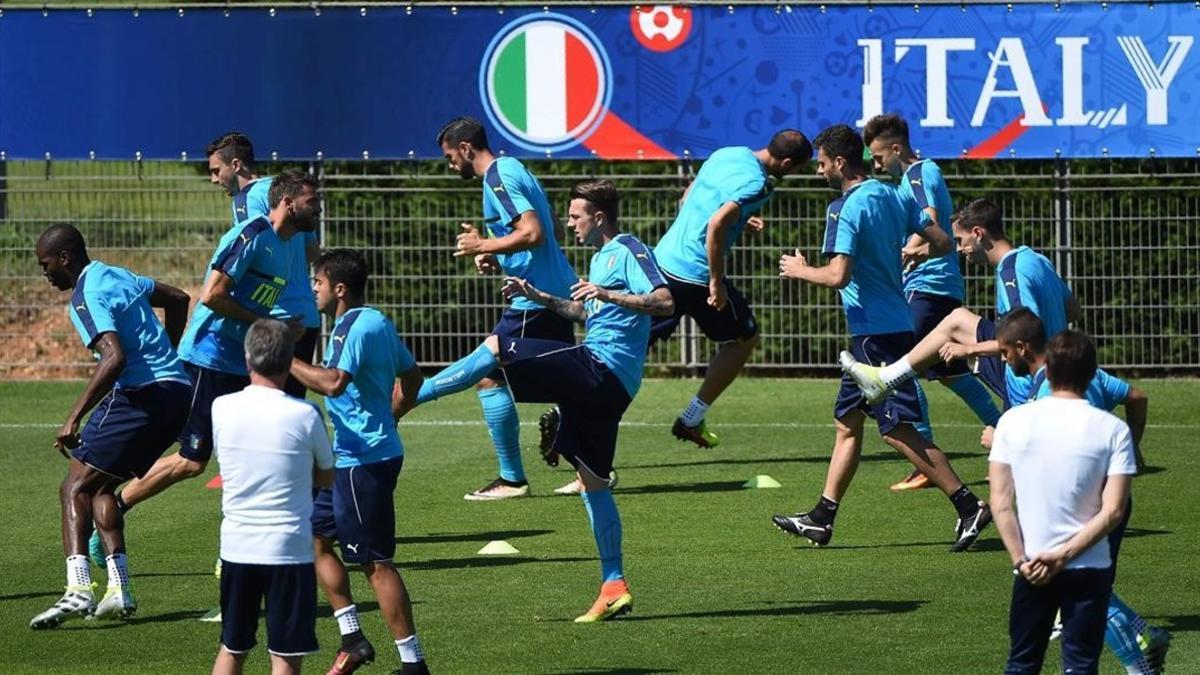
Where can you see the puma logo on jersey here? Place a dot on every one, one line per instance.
(81, 308)
(352, 547)
(339, 338)
(1011, 282)
(512, 348)
(245, 239)
(498, 188)
(833, 215)
(914, 181)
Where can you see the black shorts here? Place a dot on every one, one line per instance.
(289, 593)
(196, 439)
(991, 369)
(734, 322)
(131, 428)
(359, 512)
(903, 405)
(928, 310)
(306, 346)
(539, 324)
(590, 398)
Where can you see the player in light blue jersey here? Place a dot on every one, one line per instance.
(140, 393)
(363, 361)
(933, 286)
(1024, 278)
(246, 275)
(231, 165)
(522, 239)
(1140, 647)
(863, 228)
(592, 383)
(724, 199)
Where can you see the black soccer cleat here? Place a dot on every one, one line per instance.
(418, 668)
(547, 433)
(802, 525)
(967, 530)
(349, 660)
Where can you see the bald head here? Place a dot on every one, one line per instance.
(62, 254)
(62, 237)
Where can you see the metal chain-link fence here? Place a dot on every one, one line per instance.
(1125, 234)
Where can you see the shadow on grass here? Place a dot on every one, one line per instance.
(613, 671)
(1179, 623)
(30, 596)
(815, 459)
(148, 575)
(499, 561)
(451, 537)
(801, 608)
(711, 486)
(980, 546)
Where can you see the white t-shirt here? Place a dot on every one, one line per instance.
(267, 443)
(1061, 451)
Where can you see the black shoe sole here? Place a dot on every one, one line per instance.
(679, 431)
(547, 432)
(785, 525)
(964, 545)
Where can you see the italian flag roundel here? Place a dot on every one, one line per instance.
(546, 83)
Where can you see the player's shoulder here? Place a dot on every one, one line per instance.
(506, 168)
(630, 245)
(103, 278)
(247, 232)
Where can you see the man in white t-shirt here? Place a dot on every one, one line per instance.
(272, 448)
(1066, 467)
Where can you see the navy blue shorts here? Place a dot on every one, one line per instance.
(196, 439)
(991, 369)
(131, 428)
(359, 512)
(903, 405)
(289, 593)
(735, 322)
(540, 324)
(590, 398)
(928, 310)
(306, 346)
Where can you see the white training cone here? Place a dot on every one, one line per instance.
(498, 547)
(762, 481)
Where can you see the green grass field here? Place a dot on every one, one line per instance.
(716, 587)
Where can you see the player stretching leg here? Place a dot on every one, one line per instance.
(862, 228)
(933, 285)
(522, 240)
(363, 360)
(731, 187)
(592, 383)
(142, 393)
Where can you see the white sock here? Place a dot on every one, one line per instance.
(347, 618)
(78, 572)
(410, 649)
(897, 373)
(693, 415)
(118, 570)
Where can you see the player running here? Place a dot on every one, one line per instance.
(863, 227)
(933, 285)
(140, 392)
(592, 383)
(522, 241)
(731, 187)
(363, 360)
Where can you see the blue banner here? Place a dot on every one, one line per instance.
(1080, 80)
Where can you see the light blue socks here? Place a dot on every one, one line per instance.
(606, 526)
(459, 376)
(500, 413)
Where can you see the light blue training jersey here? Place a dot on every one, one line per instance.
(254, 256)
(730, 174)
(508, 191)
(113, 299)
(1105, 391)
(866, 223)
(297, 299)
(1026, 278)
(364, 344)
(615, 335)
(924, 186)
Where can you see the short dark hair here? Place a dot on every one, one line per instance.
(840, 140)
(985, 214)
(269, 346)
(462, 129)
(601, 194)
(888, 127)
(1022, 325)
(1071, 361)
(344, 266)
(231, 145)
(289, 183)
(62, 237)
(790, 144)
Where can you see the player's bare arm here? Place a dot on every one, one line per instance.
(404, 394)
(714, 245)
(656, 303)
(835, 275)
(1074, 310)
(324, 381)
(932, 242)
(952, 351)
(174, 303)
(112, 363)
(218, 296)
(1137, 408)
(527, 233)
(571, 309)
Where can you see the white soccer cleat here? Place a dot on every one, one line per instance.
(77, 602)
(576, 486)
(497, 490)
(866, 377)
(118, 603)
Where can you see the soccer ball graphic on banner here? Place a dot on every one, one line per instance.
(661, 28)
